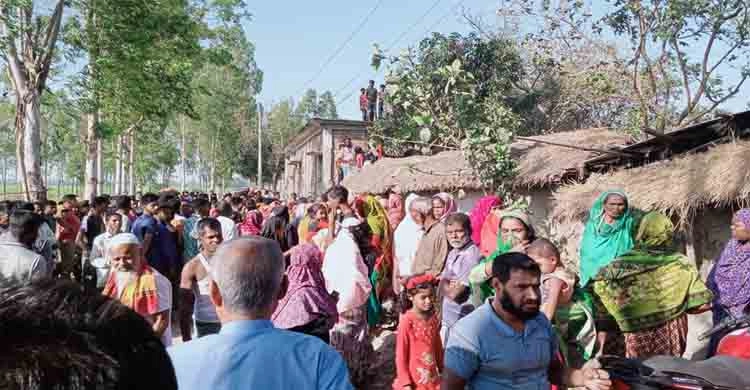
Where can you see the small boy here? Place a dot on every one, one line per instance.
(363, 103)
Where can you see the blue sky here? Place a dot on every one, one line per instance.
(295, 38)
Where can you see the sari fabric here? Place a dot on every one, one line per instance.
(479, 214)
(253, 224)
(489, 233)
(306, 298)
(651, 284)
(730, 277)
(406, 241)
(377, 220)
(601, 242)
(449, 202)
(345, 271)
(395, 210)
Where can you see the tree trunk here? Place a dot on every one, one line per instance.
(32, 146)
(100, 176)
(183, 154)
(118, 166)
(131, 164)
(91, 170)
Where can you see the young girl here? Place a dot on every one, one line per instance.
(419, 351)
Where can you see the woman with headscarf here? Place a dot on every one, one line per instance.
(253, 223)
(290, 233)
(370, 209)
(405, 243)
(516, 232)
(443, 205)
(395, 210)
(648, 292)
(315, 221)
(346, 276)
(479, 215)
(730, 277)
(608, 234)
(307, 306)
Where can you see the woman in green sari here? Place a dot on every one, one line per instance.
(514, 235)
(648, 291)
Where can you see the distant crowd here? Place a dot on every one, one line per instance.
(373, 102)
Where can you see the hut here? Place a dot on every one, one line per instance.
(693, 174)
(544, 163)
(310, 156)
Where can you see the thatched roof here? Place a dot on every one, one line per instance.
(539, 165)
(446, 171)
(678, 187)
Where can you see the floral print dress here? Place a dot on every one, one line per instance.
(419, 352)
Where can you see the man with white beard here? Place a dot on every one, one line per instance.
(138, 286)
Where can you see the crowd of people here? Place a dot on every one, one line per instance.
(351, 159)
(283, 294)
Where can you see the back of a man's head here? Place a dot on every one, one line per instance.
(56, 336)
(249, 272)
(338, 193)
(225, 209)
(24, 225)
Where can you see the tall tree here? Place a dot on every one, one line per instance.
(308, 106)
(327, 106)
(28, 38)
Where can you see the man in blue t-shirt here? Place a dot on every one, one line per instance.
(146, 229)
(507, 343)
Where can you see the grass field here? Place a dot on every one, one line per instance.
(14, 191)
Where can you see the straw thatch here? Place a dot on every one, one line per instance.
(678, 187)
(446, 171)
(542, 165)
(539, 165)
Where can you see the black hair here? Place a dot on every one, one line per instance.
(124, 202)
(339, 193)
(236, 201)
(51, 203)
(406, 303)
(69, 198)
(149, 197)
(271, 227)
(28, 206)
(460, 219)
(168, 202)
(210, 223)
(200, 202)
(225, 209)
(544, 247)
(24, 224)
(113, 214)
(84, 204)
(361, 90)
(101, 200)
(513, 261)
(56, 336)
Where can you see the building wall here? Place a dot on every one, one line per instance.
(300, 178)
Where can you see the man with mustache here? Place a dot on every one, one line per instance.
(138, 286)
(454, 281)
(507, 343)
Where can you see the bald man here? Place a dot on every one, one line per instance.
(138, 286)
(248, 352)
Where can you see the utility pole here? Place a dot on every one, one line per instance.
(260, 146)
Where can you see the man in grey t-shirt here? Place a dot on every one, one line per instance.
(17, 260)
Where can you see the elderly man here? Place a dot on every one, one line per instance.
(433, 247)
(138, 286)
(248, 281)
(454, 281)
(17, 260)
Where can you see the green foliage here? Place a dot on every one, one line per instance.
(459, 88)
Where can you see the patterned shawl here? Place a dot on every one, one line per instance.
(253, 223)
(652, 283)
(140, 295)
(306, 298)
(449, 202)
(730, 277)
(382, 241)
(601, 242)
(479, 214)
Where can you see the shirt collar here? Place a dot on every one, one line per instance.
(245, 327)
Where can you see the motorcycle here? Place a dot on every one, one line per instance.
(729, 369)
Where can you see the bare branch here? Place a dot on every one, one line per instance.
(50, 40)
(726, 97)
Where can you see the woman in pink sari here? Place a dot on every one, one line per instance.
(479, 214)
(395, 210)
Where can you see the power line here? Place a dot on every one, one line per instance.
(428, 30)
(343, 45)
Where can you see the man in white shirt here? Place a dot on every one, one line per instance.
(99, 249)
(138, 286)
(228, 227)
